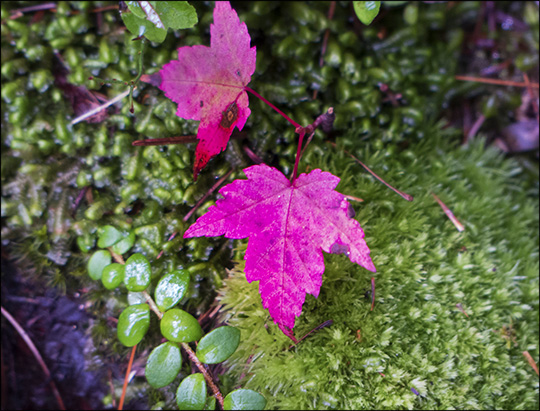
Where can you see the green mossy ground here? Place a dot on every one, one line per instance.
(416, 336)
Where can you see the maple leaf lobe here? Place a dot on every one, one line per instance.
(206, 81)
(289, 225)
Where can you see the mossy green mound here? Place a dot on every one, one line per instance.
(416, 336)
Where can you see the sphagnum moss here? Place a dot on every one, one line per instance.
(417, 349)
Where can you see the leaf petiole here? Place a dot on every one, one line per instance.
(285, 116)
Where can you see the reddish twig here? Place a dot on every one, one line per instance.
(325, 121)
(207, 194)
(301, 133)
(126, 378)
(285, 116)
(532, 96)
(15, 14)
(405, 196)
(26, 338)
(495, 81)
(475, 127)
(78, 200)
(327, 323)
(254, 157)
(460, 308)
(198, 204)
(166, 140)
(449, 213)
(530, 360)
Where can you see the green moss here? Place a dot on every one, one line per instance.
(424, 271)
(416, 335)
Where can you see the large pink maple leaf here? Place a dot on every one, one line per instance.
(289, 225)
(208, 83)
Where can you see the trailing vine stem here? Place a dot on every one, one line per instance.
(191, 354)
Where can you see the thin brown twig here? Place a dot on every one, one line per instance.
(152, 304)
(460, 308)
(198, 204)
(117, 257)
(449, 213)
(26, 338)
(327, 323)
(166, 140)
(209, 379)
(405, 196)
(495, 81)
(207, 194)
(38, 7)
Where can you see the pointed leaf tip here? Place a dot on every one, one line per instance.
(289, 225)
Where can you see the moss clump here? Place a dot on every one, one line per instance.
(416, 335)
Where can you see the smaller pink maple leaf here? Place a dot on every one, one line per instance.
(289, 225)
(208, 83)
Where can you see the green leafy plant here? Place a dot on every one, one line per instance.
(152, 19)
(177, 326)
(366, 11)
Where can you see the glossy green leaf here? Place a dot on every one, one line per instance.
(163, 365)
(139, 26)
(244, 400)
(124, 245)
(108, 236)
(366, 10)
(191, 393)
(99, 260)
(171, 289)
(180, 326)
(133, 324)
(137, 273)
(154, 18)
(112, 276)
(210, 403)
(135, 297)
(218, 345)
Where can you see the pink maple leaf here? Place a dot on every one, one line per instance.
(208, 83)
(289, 225)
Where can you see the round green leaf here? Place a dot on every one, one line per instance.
(107, 236)
(218, 345)
(112, 276)
(179, 326)
(191, 393)
(210, 404)
(141, 26)
(137, 273)
(366, 10)
(177, 14)
(135, 297)
(163, 365)
(244, 400)
(99, 260)
(171, 289)
(133, 324)
(124, 244)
